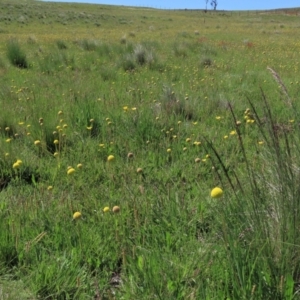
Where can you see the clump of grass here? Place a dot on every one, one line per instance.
(32, 39)
(16, 55)
(61, 45)
(180, 50)
(184, 34)
(206, 62)
(123, 39)
(139, 54)
(107, 73)
(88, 45)
(128, 62)
(174, 106)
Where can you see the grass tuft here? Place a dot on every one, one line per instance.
(15, 54)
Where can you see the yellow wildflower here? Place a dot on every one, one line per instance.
(216, 192)
(106, 209)
(110, 158)
(76, 215)
(71, 171)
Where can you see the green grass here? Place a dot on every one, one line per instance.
(185, 102)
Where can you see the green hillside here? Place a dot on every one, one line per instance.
(148, 154)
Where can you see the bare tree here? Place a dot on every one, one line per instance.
(206, 1)
(214, 4)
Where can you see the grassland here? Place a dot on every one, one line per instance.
(116, 126)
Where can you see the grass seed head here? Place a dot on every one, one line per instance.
(116, 209)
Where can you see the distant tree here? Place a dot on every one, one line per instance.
(206, 1)
(214, 4)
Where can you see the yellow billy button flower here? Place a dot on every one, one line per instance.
(197, 160)
(116, 209)
(169, 150)
(55, 154)
(76, 215)
(16, 165)
(37, 142)
(139, 170)
(60, 113)
(260, 143)
(55, 142)
(110, 158)
(216, 192)
(8, 140)
(79, 166)
(89, 127)
(71, 171)
(50, 187)
(106, 209)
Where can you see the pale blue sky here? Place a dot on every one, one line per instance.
(199, 4)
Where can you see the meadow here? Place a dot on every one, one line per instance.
(148, 154)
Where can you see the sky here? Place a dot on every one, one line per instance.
(199, 4)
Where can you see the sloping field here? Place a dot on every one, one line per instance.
(148, 154)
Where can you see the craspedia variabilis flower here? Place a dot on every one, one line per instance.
(110, 158)
(216, 192)
(71, 171)
(76, 215)
(106, 209)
